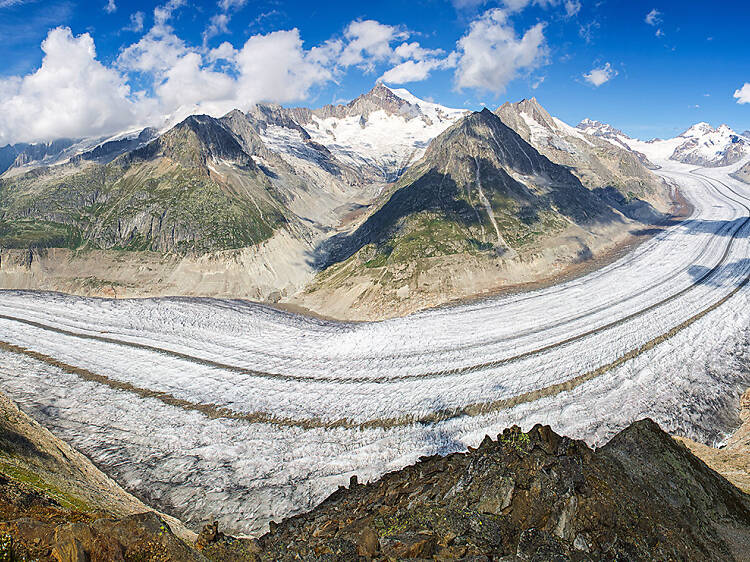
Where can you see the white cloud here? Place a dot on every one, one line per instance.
(368, 42)
(272, 67)
(417, 64)
(111, 7)
(225, 51)
(188, 84)
(136, 22)
(155, 53)
(572, 7)
(417, 70)
(491, 54)
(217, 24)
(659, 33)
(162, 14)
(653, 17)
(599, 76)
(71, 95)
(227, 5)
(415, 51)
(275, 67)
(743, 94)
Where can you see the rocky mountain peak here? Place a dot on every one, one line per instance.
(382, 98)
(698, 130)
(524, 111)
(599, 129)
(195, 141)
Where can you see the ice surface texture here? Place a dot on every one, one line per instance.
(183, 382)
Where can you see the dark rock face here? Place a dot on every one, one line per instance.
(107, 151)
(23, 153)
(532, 496)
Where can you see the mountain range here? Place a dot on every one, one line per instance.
(700, 145)
(378, 207)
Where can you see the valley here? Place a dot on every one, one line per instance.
(341, 281)
(254, 414)
(369, 210)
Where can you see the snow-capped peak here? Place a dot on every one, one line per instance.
(428, 108)
(384, 130)
(598, 129)
(698, 130)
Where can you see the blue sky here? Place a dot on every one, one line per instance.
(650, 68)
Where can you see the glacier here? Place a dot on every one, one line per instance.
(230, 410)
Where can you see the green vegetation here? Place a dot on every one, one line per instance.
(31, 233)
(25, 476)
(144, 205)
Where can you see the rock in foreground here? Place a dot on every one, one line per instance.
(525, 496)
(533, 496)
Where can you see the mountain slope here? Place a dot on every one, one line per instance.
(481, 207)
(525, 496)
(619, 175)
(743, 174)
(164, 197)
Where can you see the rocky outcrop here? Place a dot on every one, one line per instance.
(523, 496)
(743, 174)
(532, 496)
(23, 154)
(732, 459)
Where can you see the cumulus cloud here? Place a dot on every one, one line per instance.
(599, 76)
(156, 52)
(71, 95)
(491, 54)
(743, 94)
(111, 7)
(276, 67)
(225, 51)
(416, 70)
(368, 42)
(653, 17)
(272, 67)
(416, 63)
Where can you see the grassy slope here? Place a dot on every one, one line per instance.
(167, 202)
